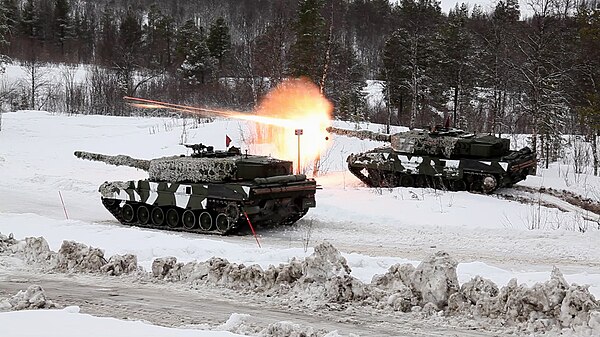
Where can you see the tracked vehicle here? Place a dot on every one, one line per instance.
(207, 192)
(444, 158)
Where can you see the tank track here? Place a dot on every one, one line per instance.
(114, 207)
(239, 226)
(471, 181)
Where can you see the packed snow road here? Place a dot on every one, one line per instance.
(178, 306)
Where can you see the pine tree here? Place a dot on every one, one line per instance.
(457, 63)
(12, 14)
(397, 72)
(588, 76)
(85, 33)
(30, 20)
(158, 32)
(219, 40)
(308, 51)
(63, 24)
(497, 62)
(415, 60)
(130, 33)
(349, 75)
(107, 43)
(186, 38)
(4, 31)
(130, 51)
(198, 66)
(4, 25)
(369, 24)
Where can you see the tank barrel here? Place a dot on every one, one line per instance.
(120, 160)
(361, 134)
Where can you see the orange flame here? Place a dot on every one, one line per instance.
(293, 104)
(300, 103)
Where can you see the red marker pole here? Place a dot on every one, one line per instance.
(252, 228)
(63, 205)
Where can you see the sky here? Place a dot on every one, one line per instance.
(487, 5)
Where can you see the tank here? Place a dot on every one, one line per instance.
(207, 192)
(442, 158)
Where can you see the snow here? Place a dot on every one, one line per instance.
(373, 228)
(68, 322)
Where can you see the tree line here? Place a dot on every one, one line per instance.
(494, 71)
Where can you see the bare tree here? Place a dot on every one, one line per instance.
(74, 95)
(37, 78)
(544, 76)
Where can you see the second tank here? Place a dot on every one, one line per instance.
(442, 158)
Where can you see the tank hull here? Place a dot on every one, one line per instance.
(385, 167)
(210, 207)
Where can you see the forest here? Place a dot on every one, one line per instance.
(506, 70)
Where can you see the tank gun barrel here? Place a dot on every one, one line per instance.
(119, 160)
(361, 134)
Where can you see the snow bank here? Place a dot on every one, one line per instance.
(32, 298)
(404, 287)
(553, 304)
(324, 276)
(243, 324)
(71, 257)
(323, 279)
(6, 242)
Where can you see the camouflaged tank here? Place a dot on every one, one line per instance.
(446, 159)
(208, 191)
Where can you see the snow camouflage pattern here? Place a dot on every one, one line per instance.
(210, 191)
(174, 168)
(186, 196)
(450, 159)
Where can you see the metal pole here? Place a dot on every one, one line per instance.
(298, 133)
(298, 171)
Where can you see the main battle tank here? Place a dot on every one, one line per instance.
(444, 158)
(208, 191)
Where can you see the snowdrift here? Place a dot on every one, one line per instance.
(323, 279)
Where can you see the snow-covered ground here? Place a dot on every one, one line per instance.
(374, 228)
(69, 322)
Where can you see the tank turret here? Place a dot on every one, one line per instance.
(444, 157)
(204, 165)
(447, 143)
(207, 191)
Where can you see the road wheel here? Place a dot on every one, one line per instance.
(375, 177)
(158, 216)
(128, 213)
(489, 184)
(407, 180)
(189, 219)
(205, 221)
(422, 181)
(233, 212)
(457, 185)
(172, 218)
(222, 223)
(143, 215)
